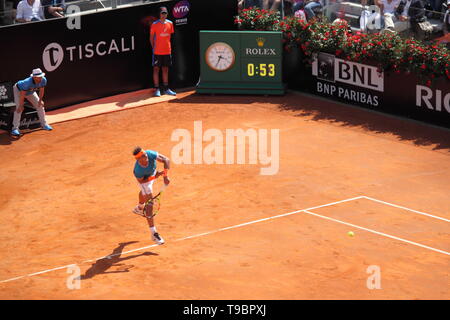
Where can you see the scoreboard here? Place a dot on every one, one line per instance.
(241, 62)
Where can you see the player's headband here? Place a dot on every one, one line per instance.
(140, 154)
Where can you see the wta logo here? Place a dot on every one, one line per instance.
(181, 9)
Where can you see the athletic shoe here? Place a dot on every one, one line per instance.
(170, 92)
(157, 238)
(157, 93)
(47, 127)
(139, 210)
(15, 133)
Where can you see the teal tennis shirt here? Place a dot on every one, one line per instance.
(29, 86)
(150, 170)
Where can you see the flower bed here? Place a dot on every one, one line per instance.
(389, 51)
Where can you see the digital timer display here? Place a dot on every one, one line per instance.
(259, 69)
(262, 70)
(241, 62)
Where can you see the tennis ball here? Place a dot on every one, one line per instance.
(350, 234)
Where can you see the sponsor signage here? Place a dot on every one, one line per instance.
(97, 61)
(53, 54)
(433, 99)
(363, 85)
(6, 92)
(329, 68)
(259, 48)
(347, 81)
(180, 12)
(29, 120)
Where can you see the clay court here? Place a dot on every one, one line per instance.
(66, 198)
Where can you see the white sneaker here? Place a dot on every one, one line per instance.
(139, 210)
(157, 238)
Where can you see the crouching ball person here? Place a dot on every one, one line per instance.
(27, 88)
(145, 173)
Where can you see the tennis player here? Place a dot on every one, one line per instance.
(145, 173)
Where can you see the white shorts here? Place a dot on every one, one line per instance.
(147, 188)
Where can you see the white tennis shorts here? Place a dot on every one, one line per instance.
(147, 188)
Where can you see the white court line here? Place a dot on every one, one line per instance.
(241, 225)
(69, 265)
(408, 209)
(185, 238)
(45, 271)
(12, 279)
(379, 233)
(269, 218)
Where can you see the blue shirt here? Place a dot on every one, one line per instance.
(150, 170)
(29, 86)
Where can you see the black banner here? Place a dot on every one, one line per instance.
(367, 86)
(225, 309)
(111, 52)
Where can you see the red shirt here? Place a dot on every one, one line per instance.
(161, 32)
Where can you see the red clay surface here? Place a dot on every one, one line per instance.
(66, 197)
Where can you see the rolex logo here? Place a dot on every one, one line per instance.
(260, 42)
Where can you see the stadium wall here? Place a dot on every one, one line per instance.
(363, 85)
(110, 53)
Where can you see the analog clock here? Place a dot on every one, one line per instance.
(220, 56)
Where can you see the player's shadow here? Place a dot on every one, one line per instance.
(241, 99)
(6, 138)
(135, 97)
(114, 259)
(141, 96)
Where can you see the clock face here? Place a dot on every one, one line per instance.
(220, 56)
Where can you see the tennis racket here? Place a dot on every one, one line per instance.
(153, 203)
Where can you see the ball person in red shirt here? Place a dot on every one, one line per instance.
(160, 35)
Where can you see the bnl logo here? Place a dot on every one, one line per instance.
(332, 69)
